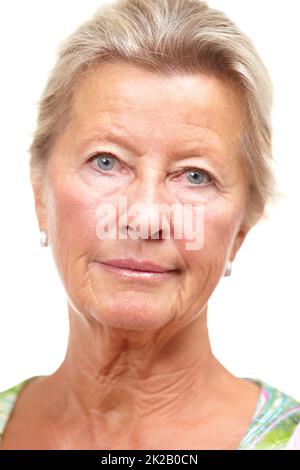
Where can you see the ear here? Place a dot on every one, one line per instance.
(38, 187)
(238, 241)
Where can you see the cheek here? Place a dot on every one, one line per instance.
(218, 229)
(72, 222)
(218, 224)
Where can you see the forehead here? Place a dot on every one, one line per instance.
(178, 107)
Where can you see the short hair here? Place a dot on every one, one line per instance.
(166, 37)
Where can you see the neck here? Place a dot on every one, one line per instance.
(115, 377)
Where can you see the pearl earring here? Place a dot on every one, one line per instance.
(44, 240)
(228, 269)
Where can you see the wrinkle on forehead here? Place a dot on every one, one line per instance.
(175, 112)
(129, 89)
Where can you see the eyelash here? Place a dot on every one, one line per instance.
(213, 179)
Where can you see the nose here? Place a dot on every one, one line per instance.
(148, 210)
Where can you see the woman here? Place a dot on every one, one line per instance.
(145, 98)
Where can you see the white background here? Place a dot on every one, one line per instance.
(254, 315)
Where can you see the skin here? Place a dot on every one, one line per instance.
(139, 371)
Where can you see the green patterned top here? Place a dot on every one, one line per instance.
(274, 421)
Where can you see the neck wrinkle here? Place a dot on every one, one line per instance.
(114, 378)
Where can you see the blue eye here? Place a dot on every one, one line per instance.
(197, 176)
(106, 162)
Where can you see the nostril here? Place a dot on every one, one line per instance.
(157, 235)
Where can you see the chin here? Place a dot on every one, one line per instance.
(131, 312)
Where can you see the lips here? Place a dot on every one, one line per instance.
(137, 265)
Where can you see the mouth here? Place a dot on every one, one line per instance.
(138, 270)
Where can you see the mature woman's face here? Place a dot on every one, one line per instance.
(158, 130)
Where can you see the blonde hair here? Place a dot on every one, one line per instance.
(165, 37)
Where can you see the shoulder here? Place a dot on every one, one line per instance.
(294, 442)
(276, 417)
(8, 399)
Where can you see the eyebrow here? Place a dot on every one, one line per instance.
(202, 151)
(108, 134)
